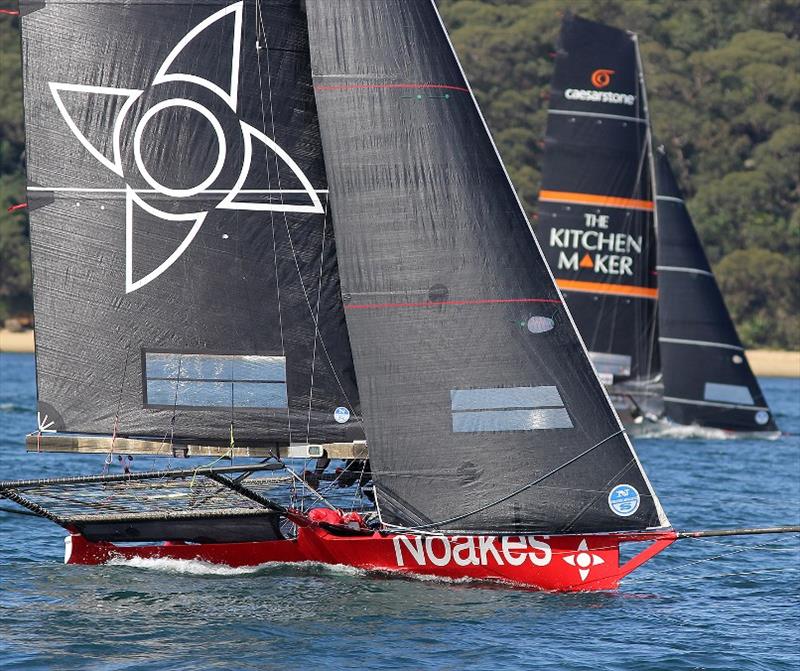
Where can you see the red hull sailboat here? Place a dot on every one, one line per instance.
(284, 232)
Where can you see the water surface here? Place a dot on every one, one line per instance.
(715, 604)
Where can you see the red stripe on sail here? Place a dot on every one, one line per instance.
(347, 87)
(433, 304)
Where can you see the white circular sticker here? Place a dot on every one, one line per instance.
(762, 417)
(624, 500)
(341, 414)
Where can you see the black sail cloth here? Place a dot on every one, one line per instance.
(473, 381)
(177, 283)
(595, 214)
(707, 379)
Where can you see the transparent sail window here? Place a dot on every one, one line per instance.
(214, 380)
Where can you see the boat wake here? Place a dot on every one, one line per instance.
(666, 429)
(196, 567)
(185, 566)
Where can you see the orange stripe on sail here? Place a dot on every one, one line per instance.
(593, 199)
(607, 288)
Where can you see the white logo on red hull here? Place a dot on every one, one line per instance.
(471, 550)
(584, 560)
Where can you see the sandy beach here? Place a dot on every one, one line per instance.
(765, 362)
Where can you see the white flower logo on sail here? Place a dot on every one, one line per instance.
(168, 72)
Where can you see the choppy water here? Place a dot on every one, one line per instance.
(706, 604)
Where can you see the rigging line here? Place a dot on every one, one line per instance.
(599, 494)
(289, 235)
(108, 459)
(524, 487)
(707, 559)
(259, 23)
(316, 319)
(311, 490)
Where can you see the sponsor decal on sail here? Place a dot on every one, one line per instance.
(600, 78)
(232, 197)
(595, 249)
(471, 550)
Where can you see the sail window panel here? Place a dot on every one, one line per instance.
(259, 395)
(511, 420)
(215, 380)
(727, 393)
(505, 397)
(508, 409)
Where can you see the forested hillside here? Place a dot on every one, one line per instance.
(724, 91)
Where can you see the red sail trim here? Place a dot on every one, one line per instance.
(607, 288)
(594, 199)
(433, 304)
(347, 87)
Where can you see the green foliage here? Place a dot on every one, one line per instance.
(762, 290)
(724, 90)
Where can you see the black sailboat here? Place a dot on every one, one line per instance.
(707, 379)
(192, 301)
(618, 251)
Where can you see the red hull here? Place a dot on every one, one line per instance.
(554, 563)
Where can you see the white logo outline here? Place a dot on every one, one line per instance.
(230, 97)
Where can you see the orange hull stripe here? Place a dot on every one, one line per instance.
(607, 288)
(593, 199)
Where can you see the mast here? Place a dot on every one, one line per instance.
(654, 356)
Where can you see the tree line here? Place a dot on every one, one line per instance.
(724, 92)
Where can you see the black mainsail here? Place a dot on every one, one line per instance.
(707, 379)
(179, 225)
(596, 212)
(482, 409)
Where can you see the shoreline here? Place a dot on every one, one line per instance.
(764, 362)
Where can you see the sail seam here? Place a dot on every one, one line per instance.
(618, 117)
(702, 343)
(433, 304)
(347, 87)
(209, 191)
(737, 406)
(682, 269)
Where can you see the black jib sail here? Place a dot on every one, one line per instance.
(595, 216)
(707, 379)
(182, 250)
(482, 410)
